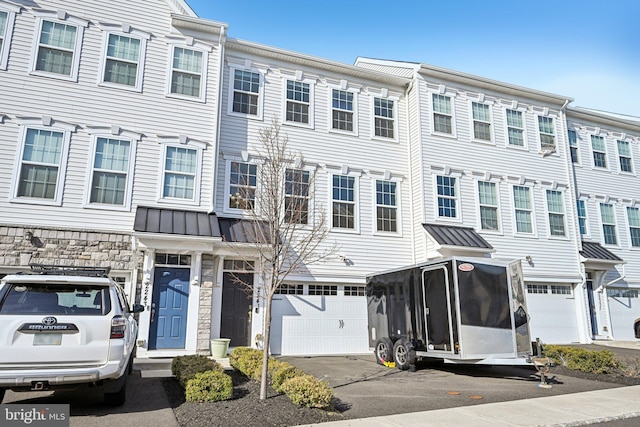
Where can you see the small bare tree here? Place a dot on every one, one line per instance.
(289, 235)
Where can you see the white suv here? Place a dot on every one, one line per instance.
(62, 326)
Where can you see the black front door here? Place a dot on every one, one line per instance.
(236, 308)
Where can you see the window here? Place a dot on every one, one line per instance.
(243, 181)
(298, 102)
(582, 217)
(555, 207)
(7, 18)
(515, 128)
(344, 202)
(180, 173)
(386, 206)
(573, 145)
(187, 72)
(4, 17)
(599, 151)
(523, 214)
(608, 217)
(384, 122)
(560, 290)
(288, 289)
(442, 114)
(481, 121)
(323, 290)
(622, 293)
(354, 291)
(537, 289)
(488, 205)
(624, 153)
(41, 163)
(447, 195)
(110, 172)
(633, 216)
(173, 259)
(547, 133)
(124, 60)
(296, 196)
(56, 46)
(238, 265)
(246, 92)
(342, 110)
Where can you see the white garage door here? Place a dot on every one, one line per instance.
(319, 319)
(552, 313)
(624, 308)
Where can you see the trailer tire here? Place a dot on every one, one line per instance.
(404, 354)
(383, 350)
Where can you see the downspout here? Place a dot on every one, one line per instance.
(412, 190)
(216, 144)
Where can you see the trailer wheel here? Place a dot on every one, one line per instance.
(404, 354)
(384, 351)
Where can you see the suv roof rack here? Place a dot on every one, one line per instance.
(68, 270)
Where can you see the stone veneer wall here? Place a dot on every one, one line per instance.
(64, 247)
(204, 312)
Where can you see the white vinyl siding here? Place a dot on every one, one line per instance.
(546, 127)
(180, 173)
(624, 155)
(442, 114)
(599, 150)
(633, 217)
(447, 197)
(386, 206)
(481, 121)
(383, 115)
(246, 93)
(242, 184)
(608, 219)
(344, 199)
(342, 110)
(298, 102)
(523, 209)
(110, 175)
(555, 209)
(488, 205)
(187, 73)
(515, 128)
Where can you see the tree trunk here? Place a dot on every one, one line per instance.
(265, 344)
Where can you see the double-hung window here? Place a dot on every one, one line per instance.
(442, 114)
(582, 217)
(447, 197)
(342, 110)
(546, 128)
(573, 145)
(515, 128)
(624, 154)
(599, 150)
(633, 216)
(555, 208)
(298, 102)
(481, 121)
(383, 117)
(246, 92)
(386, 206)
(111, 171)
(523, 209)
(344, 202)
(188, 71)
(296, 201)
(243, 182)
(124, 55)
(488, 202)
(608, 218)
(7, 18)
(181, 166)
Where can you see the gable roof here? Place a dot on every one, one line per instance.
(181, 7)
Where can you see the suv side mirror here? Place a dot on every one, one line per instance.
(138, 308)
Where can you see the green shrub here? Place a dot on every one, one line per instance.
(209, 386)
(592, 361)
(284, 372)
(185, 368)
(247, 360)
(307, 390)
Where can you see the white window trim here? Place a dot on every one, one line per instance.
(525, 143)
(345, 88)
(578, 149)
(227, 184)
(63, 18)
(312, 186)
(631, 157)
(548, 212)
(312, 84)
(452, 98)
(114, 132)
(395, 118)
(555, 132)
(496, 184)
(126, 31)
(491, 123)
(191, 44)
(586, 211)
(181, 142)
(48, 124)
(607, 158)
(250, 69)
(534, 228)
(374, 203)
(628, 225)
(11, 11)
(458, 217)
(356, 202)
(615, 224)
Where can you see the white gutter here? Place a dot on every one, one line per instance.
(216, 143)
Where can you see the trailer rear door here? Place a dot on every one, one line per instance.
(438, 303)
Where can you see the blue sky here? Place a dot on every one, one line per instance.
(586, 50)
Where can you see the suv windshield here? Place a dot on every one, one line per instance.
(25, 298)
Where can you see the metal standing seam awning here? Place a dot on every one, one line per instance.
(456, 237)
(593, 254)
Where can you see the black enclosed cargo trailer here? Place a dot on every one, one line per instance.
(460, 310)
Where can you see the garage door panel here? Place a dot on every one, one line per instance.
(552, 318)
(623, 311)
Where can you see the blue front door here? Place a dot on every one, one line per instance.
(169, 308)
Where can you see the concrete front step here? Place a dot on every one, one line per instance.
(161, 367)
